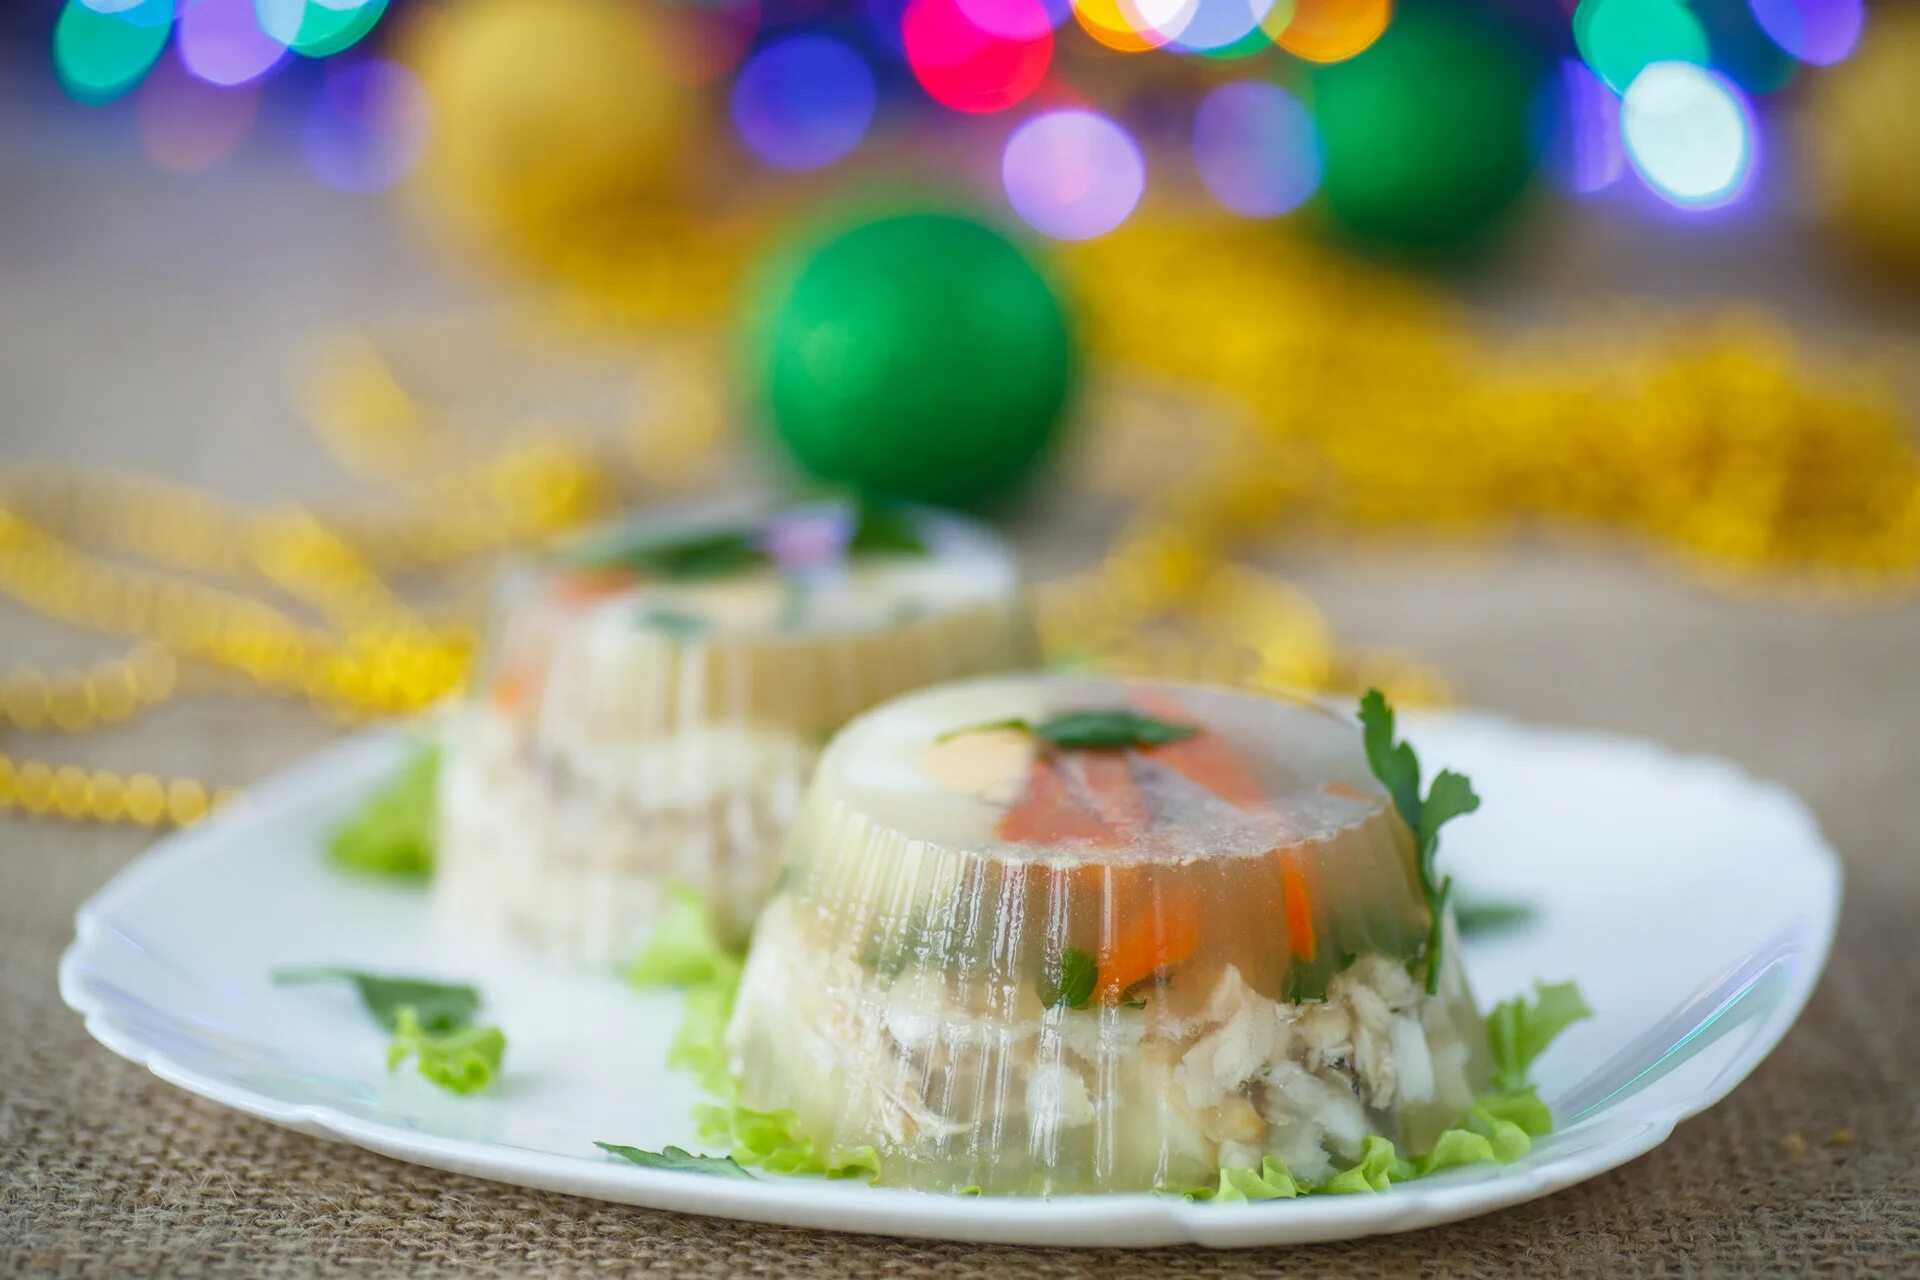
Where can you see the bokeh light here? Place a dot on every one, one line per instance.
(963, 67)
(1215, 25)
(1328, 30)
(1255, 148)
(1689, 135)
(1072, 174)
(1117, 24)
(1620, 38)
(99, 56)
(1584, 153)
(222, 42)
(1818, 31)
(1740, 50)
(803, 102)
(366, 127)
(317, 29)
(188, 125)
(144, 12)
(1015, 19)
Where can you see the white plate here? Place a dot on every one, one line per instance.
(1656, 877)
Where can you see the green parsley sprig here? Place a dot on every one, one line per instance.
(1450, 796)
(1102, 730)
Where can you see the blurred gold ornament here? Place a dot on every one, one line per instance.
(548, 110)
(1861, 138)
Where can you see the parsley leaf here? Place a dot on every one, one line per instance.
(392, 834)
(1071, 981)
(1486, 916)
(462, 1061)
(676, 1159)
(1106, 730)
(1520, 1031)
(1451, 796)
(882, 530)
(438, 1007)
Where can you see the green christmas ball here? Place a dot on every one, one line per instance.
(1426, 137)
(917, 356)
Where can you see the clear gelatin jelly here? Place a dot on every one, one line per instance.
(1045, 934)
(654, 697)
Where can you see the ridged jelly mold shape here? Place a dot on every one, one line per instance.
(630, 735)
(904, 984)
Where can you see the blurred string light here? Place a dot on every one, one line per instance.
(1689, 134)
(1586, 155)
(223, 43)
(1215, 25)
(1016, 19)
(1072, 174)
(803, 102)
(319, 28)
(100, 55)
(1620, 38)
(367, 127)
(1328, 30)
(188, 125)
(1255, 147)
(1130, 26)
(1821, 32)
(962, 67)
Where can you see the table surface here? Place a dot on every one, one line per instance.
(149, 326)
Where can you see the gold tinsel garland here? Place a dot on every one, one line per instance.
(1312, 394)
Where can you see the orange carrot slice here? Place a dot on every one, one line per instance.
(1204, 759)
(1048, 812)
(1110, 788)
(1155, 935)
(1299, 908)
(1346, 791)
(589, 585)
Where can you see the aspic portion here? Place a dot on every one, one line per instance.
(654, 697)
(1043, 935)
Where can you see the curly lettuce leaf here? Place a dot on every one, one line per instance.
(1379, 1167)
(673, 1158)
(392, 834)
(1520, 1031)
(1271, 1181)
(683, 950)
(771, 1140)
(463, 1061)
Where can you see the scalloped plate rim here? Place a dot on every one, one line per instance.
(1132, 1220)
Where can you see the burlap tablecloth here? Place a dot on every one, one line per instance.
(160, 322)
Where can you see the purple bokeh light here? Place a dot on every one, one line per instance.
(222, 42)
(1818, 31)
(803, 102)
(1255, 146)
(1016, 19)
(1072, 175)
(1216, 24)
(1584, 152)
(366, 128)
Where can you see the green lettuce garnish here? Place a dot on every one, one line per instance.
(771, 1140)
(1520, 1032)
(683, 950)
(431, 1022)
(463, 1061)
(1243, 1186)
(392, 834)
(678, 1160)
(1450, 796)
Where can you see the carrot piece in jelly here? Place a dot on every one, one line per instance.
(1048, 812)
(1204, 759)
(1154, 935)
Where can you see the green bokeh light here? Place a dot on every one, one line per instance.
(1621, 38)
(100, 56)
(316, 30)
